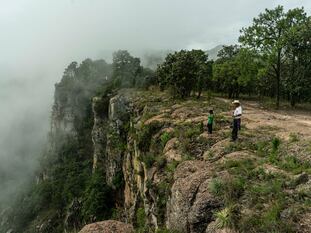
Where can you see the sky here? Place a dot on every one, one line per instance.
(39, 38)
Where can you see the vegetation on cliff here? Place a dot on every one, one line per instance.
(142, 154)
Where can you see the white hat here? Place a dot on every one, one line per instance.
(236, 102)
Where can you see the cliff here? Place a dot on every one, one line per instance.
(145, 159)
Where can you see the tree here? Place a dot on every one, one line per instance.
(226, 71)
(126, 68)
(183, 72)
(249, 64)
(267, 36)
(298, 57)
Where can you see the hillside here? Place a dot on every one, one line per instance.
(161, 170)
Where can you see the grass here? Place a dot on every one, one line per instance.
(141, 220)
(294, 165)
(165, 137)
(229, 189)
(293, 137)
(148, 159)
(253, 200)
(227, 217)
(216, 186)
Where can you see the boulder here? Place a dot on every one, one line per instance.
(109, 226)
(191, 205)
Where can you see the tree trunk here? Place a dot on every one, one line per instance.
(278, 79)
(293, 100)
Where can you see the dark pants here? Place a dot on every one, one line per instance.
(236, 127)
(210, 128)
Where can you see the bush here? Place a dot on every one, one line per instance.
(293, 137)
(216, 187)
(148, 159)
(230, 189)
(228, 217)
(275, 144)
(140, 218)
(193, 131)
(165, 137)
(161, 162)
(97, 200)
(145, 135)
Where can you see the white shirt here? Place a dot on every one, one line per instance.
(237, 112)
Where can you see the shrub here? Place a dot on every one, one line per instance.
(97, 199)
(161, 162)
(293, 137)
(216, 187)
(165, 137)
(141, 218)
(228, 217)
(148, 159)
(193, 131)
(275, 144)
(145, 136)
(229, 188)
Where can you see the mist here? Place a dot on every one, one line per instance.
(40, 38)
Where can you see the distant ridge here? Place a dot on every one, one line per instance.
(212, 53)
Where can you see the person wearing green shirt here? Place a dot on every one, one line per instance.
(210, 121)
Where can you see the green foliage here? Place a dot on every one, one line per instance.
(193, 131)
(273, 32)
(293, 137)
(118, 180)
(165, 137)
(162, 191)
(97, 199)
(294, 165)
(141, 220)
(216, 187)
(229, 188)
(126, 69)
(171, 166)
(145, 135)
(161, 162)
(275, 144)
(227, 217)
(149, 159)
(184, 71)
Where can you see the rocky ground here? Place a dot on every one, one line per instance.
(259, 183)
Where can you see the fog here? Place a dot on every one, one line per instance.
(40, 37)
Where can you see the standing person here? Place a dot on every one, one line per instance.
(237, 114)
(210, 121)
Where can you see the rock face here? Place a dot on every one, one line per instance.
(109, 226)
(191, 205)
(108, 135)
(99, 134)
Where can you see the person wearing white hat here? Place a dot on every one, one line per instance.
(237, 114)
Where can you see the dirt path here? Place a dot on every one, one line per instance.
(287, 122)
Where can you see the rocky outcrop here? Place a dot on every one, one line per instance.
(118, 116)
(191, 205)
(109, 226)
